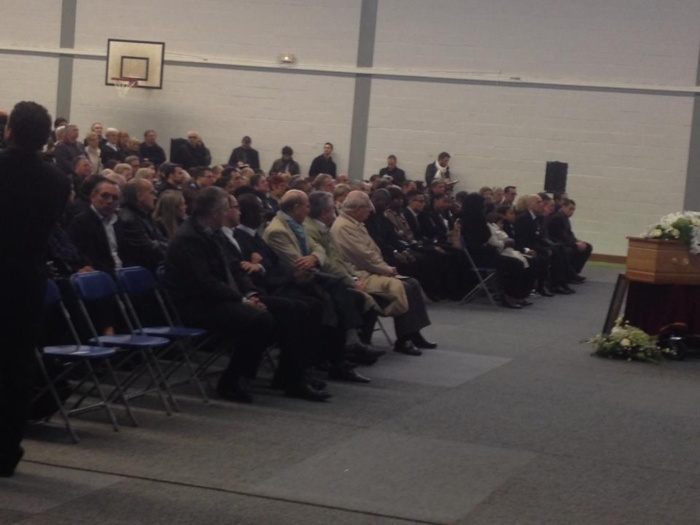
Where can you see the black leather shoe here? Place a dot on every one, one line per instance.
(544, 292)
(234, 392)
(347, 374)
(406, 347)
(7, 470)
(510, 303)
(577, 279)
(420, 342)
(561, 290)
(278, 384)
(361, 349)
(307, 392)
(525, 302)
(318, 384)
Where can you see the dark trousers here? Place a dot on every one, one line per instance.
(17, 376)
(416, 318)
(250, 329)
(298, 335)
(577, 258)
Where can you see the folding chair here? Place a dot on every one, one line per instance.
(95, 286)
(138, 282)
(74, 357)
(382, 301)
(484, 277)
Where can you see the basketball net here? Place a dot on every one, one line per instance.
(124, 84)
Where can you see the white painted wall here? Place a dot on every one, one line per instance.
(627, 151)
(275, 109)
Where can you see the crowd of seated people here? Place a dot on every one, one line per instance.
(306, 261)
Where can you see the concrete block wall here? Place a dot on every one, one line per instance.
(593, 89)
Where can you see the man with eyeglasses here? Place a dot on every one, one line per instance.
(97, 231)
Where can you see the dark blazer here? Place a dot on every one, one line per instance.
(528, 232)
(154, 154)
(431, 170)
(418, 233)
(248, 155)
(384, 235)
(433, 226)
(34, 193)
(197, 275)
(141, 244)
(322, 164)
(276, 275)
(107, 154)
(397, 174)
(89, 236)
(559, 229)
(291, 166)
(188, 157)
(65, 153)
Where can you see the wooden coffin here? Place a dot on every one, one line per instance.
(661, 261)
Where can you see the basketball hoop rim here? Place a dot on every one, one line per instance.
(131, 80)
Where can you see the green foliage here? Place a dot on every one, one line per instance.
(630, 343)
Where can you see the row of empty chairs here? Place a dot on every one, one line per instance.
(138, 361)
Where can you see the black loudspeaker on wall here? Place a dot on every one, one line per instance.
(555, 176)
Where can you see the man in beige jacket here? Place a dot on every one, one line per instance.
(356, 246)
(304, 258)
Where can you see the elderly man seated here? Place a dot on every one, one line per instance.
(356, 245)
(303, 258)
(202, 282)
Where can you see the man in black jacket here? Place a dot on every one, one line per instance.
(199, 281)
(191, 152)
(245, 154)
(141, 243)
(559, 230)
(97, 231)
(33, 197)
(323, 163)
(149, 150)
(531, 240)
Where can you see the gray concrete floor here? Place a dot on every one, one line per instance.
(509, 421)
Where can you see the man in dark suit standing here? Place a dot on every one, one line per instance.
(559, 230)
(33, 197)
(398, 176)
(439, 169)
(323, 163)
(245, 154)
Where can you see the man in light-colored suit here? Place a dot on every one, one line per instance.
(285, 235)
(355, 244)
(322, 215)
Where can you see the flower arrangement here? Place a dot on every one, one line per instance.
(683, 227)
(628, 342)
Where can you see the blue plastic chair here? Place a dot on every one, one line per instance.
(97, 286)
(73, 356)
(137, 281)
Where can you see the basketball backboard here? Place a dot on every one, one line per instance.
(139, 60)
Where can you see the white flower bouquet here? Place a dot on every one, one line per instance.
(683, 227)
(628, 342)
